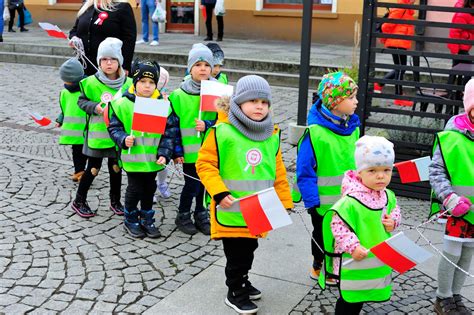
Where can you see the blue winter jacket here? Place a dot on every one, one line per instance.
(306, 164)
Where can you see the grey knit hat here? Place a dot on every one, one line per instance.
(71, 71)
(252, 87)
(200, 52)
(110, 47)
(217, 53)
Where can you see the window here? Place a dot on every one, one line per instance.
(297, 4)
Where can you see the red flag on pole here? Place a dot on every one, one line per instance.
(211, 91)
(53, 30)
(414, 170)
(150, 115)
(39, 119)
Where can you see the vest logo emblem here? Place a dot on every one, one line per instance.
(254, 158)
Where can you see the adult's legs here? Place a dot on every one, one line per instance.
(12, 19)
(154, 25)
(2, 22)
(21, 14)
(220, 27)
(209, 12)
(145, 12)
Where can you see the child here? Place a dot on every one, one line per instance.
(72, 119)
(109, 80)
(364, 217)
(218, 55)
(222, 167)
(186, 103)
(452, 180)
(325, 152)
(143, 154)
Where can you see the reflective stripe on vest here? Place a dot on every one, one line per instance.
(74, 121)
(241, 178)
(186, 106)
(335, 156)
(455, 147)
(93, 89)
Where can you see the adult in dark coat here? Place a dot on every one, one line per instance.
(210, 5)
(92, 26)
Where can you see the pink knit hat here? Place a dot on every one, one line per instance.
(469, 96)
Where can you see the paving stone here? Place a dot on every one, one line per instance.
(17, 309)
(87, 294)
(55, 305)
(7, 299)
(129, 297)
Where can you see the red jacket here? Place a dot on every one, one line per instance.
(399, 29)
(459, 33)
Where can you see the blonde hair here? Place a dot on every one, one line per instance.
(99, 5)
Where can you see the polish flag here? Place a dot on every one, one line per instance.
(39, 119)
(106, 115)
(150, 115)
(211, 91)
(400, 253)
(53, 30)
(414, 170)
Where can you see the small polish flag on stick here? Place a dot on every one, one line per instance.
(414, 170)
(53, 30)
(211, 91)
(400, 253)
(39, 119)
(150, 115)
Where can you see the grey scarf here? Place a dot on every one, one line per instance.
(254, 130)
(113, 84)
(192, 87)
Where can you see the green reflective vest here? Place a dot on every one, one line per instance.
(97, 134)
(245, 166)
(74, 123)
(369, 279)
(335, 155)
(222, 77)
(456, 147)
(295, 190)
(186, 106)
(144, 153)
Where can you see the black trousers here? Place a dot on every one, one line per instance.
(79, 159)
(191, 189)
(317, 221)
(220, 21)
(21, 15)
(141, 188)
(93, 166)
(400, 60)
(239, 253)
(346, 308)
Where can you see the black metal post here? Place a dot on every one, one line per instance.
(304, 61)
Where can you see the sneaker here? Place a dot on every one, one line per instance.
(460, 307)
(254, 293)
(81, 207)
(403, 103)
(164, 190)
(185, 224)
(23, 29)
(154, 43)
(141, 41)
(116, 206)
(239, 300)
(378, 88)
(207, 38)
(445, 306)
(76, 177)
(219, 39)
(11, 30)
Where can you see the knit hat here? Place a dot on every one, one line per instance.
(251, 87)
(469, 96)
(110, 47)
(373, 151)
(145, 69)
(217, 53)
(334, 88)
(71, 71)
(199, 52)
(164, 78)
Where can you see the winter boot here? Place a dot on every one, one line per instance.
(132, 224)
(185, 224)
(460, 307)
(239, 300)
(147, 223)
(445, 306)
(116, 205)
(80, 206)
(202, 223)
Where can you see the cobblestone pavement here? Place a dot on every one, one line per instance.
(52, 261)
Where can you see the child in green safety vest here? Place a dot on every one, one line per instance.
(143, 155)
(364, 217)
(72, 119)
(218, 55)
(96, 91)
(452, 181)
(325, 152)
(186, 103)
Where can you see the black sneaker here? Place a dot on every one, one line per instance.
(208, 38)
(445, 306)
(11, 30)
(147, 223)
(116, 206)
(185, 224)
(254, 293)
(240, 302)
(23, 29)
(460, 307)
(80, 206)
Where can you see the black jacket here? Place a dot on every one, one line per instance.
(120, 24)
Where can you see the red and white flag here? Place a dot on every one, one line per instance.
(39, 119)
(150, 115)
(262, 211)
(53, 30)
(211, 91)
(414, 170)
(400, 253)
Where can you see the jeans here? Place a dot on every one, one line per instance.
(148, 7)
(1, 17)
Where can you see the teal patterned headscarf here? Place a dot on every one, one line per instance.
(335, 87)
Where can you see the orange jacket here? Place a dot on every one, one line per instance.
(207, 166)
(398, 29)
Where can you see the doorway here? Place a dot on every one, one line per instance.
(180, 16)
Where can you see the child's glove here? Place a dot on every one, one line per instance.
(457, 205)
